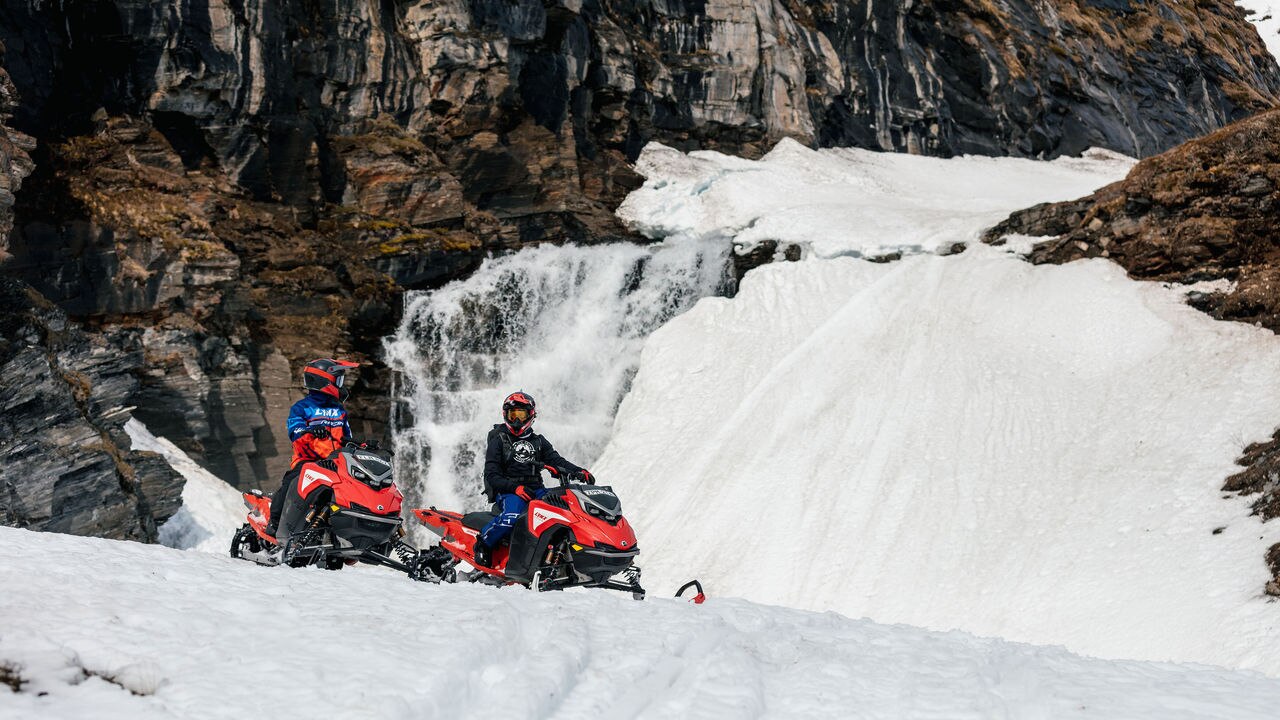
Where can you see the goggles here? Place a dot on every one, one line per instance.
(518, 414)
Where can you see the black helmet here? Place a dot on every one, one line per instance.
(518, 412)
(327, 377)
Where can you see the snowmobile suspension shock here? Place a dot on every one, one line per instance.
(406, 552)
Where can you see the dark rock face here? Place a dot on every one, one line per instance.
(228, 189)
(529, 105)
(67, 463)
(15, 160)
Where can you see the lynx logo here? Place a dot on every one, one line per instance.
(328, 412)
(311, 477)
(597, 492)
(542, 516)
(522, 451)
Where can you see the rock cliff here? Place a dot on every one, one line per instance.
(226, 189)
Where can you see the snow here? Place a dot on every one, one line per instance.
(972, 442)
(849, 201)
(1266, 18)
(211, 509)
(102, 629)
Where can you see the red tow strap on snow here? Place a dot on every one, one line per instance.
(696, 599)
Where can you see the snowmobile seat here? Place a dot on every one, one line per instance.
(477, 520)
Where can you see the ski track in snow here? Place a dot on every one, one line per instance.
(200, 636)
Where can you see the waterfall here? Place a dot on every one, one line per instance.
(562, 323)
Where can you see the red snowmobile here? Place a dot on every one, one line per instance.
(343, 509)
(573, 536)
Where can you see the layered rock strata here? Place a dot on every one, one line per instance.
(67, 465)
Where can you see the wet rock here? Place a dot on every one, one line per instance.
(68, 463)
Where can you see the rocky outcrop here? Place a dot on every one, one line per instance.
(227, 189)
(67, 463)
(15, 160)
(220, 294)
(1206, 210)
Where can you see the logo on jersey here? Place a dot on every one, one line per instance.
(522, 451)
(542, 516)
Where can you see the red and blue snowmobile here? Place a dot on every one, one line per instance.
(342, 510)
(573, 536)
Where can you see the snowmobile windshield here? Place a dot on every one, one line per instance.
(369, 468)
(599, 501)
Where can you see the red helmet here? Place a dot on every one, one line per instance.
(327, 376)
(518, 412)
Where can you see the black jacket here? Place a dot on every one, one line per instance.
(511, 461)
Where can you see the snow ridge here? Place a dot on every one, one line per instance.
(91, 622)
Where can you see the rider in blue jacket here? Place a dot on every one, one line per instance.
(317, 425)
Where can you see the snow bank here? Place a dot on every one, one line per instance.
(89, 623)
(967, 442)
(849, 201)
(211, 509)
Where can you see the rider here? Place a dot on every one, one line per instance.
(317, 425)
(513, 463)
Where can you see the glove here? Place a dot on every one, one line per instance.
(523, 493)
(320, 432)
(584, 477)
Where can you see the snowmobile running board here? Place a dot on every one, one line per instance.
(695, 599)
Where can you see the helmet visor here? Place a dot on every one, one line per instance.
(517, 414)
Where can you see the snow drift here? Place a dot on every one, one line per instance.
(100, 629)
(969, 442)
(848, 201)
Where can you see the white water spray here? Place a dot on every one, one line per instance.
(562, 323)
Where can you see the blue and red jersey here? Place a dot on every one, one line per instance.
(316, 409)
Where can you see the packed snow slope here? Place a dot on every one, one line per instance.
(100, 629)
(969, 442)
(211, 509)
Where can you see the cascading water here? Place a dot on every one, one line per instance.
(562, 323)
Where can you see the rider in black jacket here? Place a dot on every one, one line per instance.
(513, 465)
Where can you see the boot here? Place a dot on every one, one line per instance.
(482, 553)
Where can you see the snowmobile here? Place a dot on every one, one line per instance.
(573, 536)
(346, 509)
